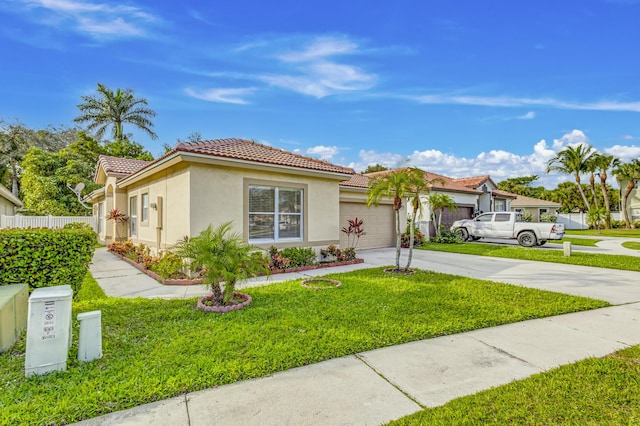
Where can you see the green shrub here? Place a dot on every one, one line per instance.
(78, 225)
(168, 266)
(447, 237)
(45, 257)
(548, 217)
(300, 256)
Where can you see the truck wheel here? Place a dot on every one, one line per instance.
(542, 242)
(527, 239)
(463, 234)
(475, 238)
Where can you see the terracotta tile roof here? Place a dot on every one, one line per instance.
(501, 193)
(240, 149)
(523, 201)
(121, 166)
(473, 182)
(440, 182)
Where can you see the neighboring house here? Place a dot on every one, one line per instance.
(534, 206)
(273, 197)
(9, 203)
(633, 202)
(492, 199)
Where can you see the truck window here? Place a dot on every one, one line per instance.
(485, 217)
(503, 217)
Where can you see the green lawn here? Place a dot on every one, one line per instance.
(611, 261)
(596, 391)
(586, 242)
(155, 349)
(623, 233)
(631, 245)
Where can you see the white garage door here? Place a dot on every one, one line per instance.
(379, 224)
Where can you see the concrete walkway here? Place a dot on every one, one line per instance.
(385, 384)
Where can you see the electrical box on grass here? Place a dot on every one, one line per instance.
(48, 330)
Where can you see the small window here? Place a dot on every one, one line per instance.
(133, 216)
(503, 217)
(144, 199)
(100, 218)
(275, 214)
(501, 205)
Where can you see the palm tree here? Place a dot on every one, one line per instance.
(606, 162)
(225, 257)
(629, 172)
(420, 185)
(438, 202)
(591, 166)
(396, 185)
(109, 108)
(572, 161)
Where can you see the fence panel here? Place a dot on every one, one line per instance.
(579, 220)
(19, 221)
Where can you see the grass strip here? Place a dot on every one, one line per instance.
(622, 233)
(586, 242)
(599, 260)
(90, 290)
(631, 245)
(596, 391)
(155, 349)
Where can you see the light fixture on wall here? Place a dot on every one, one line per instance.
(154, 206)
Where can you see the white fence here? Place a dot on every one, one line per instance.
(19, 221)
(579, 220)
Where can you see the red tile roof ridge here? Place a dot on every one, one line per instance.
(119, 165)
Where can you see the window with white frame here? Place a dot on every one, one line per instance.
(275, 213)
(144, 208)
(500, 205)
(133, 216)
(100, 218)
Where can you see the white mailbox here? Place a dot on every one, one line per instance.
(48, 330)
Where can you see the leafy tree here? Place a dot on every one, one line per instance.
(572, 160)
(438, 202)
(627, 172)
(375, 168)
(124, 148)
(596, 217)
(396, 185)
(522, 186)
(112, 109)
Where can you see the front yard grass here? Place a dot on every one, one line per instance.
(611, 261)
(618, 232)
(155, 349)
(586, 242)
(631, 245)
(596, 391)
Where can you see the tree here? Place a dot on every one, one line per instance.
(572, 160)
(591, 166)
(396, 185)
(127, 149)
(375, 168)
(627, 172)
(522, 186)
(604, 163)
(419, 185)
(112, 109)
(438, 202)
(225, 257)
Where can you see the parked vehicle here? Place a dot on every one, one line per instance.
(509, 225)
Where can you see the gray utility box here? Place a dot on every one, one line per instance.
(90, 338)
(48, 330)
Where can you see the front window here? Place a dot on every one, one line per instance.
(100, 217)
(275, 213)
(133, 216)
(144, 199)
(501, 205)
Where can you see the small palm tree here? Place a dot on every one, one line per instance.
(438, 202)
(572, 161)
(629, 172)
(396, 185)
(111, 108)
(225, 257)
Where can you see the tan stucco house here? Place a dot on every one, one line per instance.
(9, 203)
(273, 197)
(535, 206)
(633, 202)
(491, 198)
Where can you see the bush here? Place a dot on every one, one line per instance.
(292, 257)
(418, 239)
(45, 257)
(447, 237)
(548, 217)
(78, 225)
(169, 266)
(339, 255)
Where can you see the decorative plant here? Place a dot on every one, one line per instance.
(119, 218)
(354, 229)
(225, 257)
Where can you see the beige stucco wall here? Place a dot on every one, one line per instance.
(6, 207)
(218, 194)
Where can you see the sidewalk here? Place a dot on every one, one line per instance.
(385, 384)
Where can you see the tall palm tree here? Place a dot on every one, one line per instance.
(438, 202)
(420, 185)
(591, 166)
(109, 108)
(605, 162)
(627, 172)
(395, 185)
(572, 160)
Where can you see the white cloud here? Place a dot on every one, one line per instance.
(319, 49)
(98, 20)
(323, 152)
(625, 153)
(628, 137)
(371, 157)
(528, 116)
(224, 95)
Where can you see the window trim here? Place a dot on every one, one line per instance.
(101, 219)
(144, 209)
(248, 182)
(133, 216)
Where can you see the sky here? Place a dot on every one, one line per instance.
(461, 88)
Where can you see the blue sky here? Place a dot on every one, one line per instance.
(460, 88)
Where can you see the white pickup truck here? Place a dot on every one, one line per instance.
(510, 225)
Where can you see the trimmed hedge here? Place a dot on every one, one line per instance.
(45, 257)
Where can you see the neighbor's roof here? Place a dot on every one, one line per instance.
(5, 193)
(120, 166)
(241, 149)
(475, 181)
(501, 193)
(439, 182)
(522, 201)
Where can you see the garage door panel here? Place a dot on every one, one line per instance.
(379, 223)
